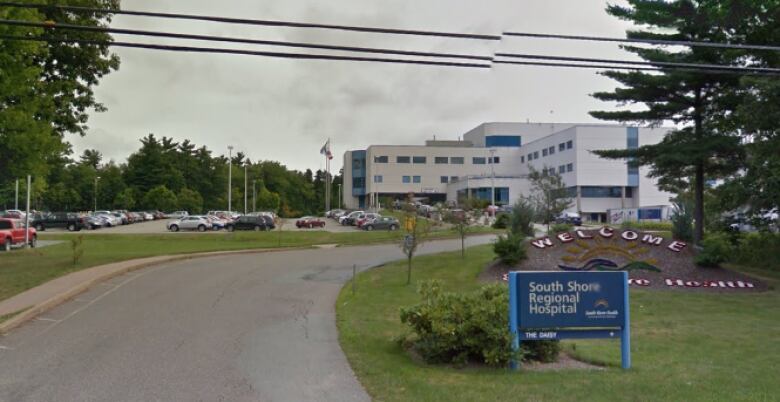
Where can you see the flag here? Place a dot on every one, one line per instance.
(326, 150)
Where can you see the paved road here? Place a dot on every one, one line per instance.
(252, 327)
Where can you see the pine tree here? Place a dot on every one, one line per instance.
(700, 147)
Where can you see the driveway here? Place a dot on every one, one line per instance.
(232, 328)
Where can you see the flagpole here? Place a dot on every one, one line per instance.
(327, 176)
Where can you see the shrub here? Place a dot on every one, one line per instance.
(682, 222)
(559, 228)
(716, 249)
(502, 221)
(758, 250)
(521, 220)
(459, 328)
(649, 225)
(510, 248)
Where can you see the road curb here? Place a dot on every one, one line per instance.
(30, 312)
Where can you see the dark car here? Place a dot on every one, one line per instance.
(269, 222)
(571, 218)
(256, 223)
(383, 222)
(65, 220)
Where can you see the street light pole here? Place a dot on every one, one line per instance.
(230, 179)
(254, 195)
(96, 193)
(245, 186)
(16, 202)
(27, 216)
(493, 177)
(339, 195)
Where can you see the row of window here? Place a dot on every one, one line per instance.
(439, 160)
(547, 151)
(417, 179)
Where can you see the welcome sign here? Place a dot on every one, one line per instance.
(567, 305)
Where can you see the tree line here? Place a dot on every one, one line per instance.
(167, 175)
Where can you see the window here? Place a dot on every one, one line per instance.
(419, 160)
(445, 179)
(536, 154)
(600, 192)
(570, 167)
(478, 160)
(552, 150)
(494, 160)
(406, 179)
(454, 179)
(530, 157)
(561, 169)
(378, 179)
(440, 160)
(416, 179)
(456, 160)
(569, 144)
(357, 163)
(544, 152)
(552, 171)
(380, 159)
(629, 192)
(522, 159)
(358, 182)
(402, 159)
(562, 147)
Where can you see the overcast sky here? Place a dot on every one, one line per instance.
(285, 110)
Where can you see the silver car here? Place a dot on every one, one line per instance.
(199, 223)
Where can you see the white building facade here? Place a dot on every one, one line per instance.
(495, 158)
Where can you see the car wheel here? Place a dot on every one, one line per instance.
(71, 228)
(39, 227)
(174, 228)
(370, 227)
(215, 228)
(7, 245)
(231, 228)
(311, 225)
(257, 228)
(201, 228)
(34, 242)
(393, 227)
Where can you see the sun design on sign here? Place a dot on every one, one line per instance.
(582, 256)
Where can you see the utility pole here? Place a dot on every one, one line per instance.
(492, 179)
(230, 179)
(245, 186)
(27, 216)
(96, 193)
(16, 202)
(254, 195)
(339, 196)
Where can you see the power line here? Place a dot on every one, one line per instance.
(644, 63)
(211, 38)
(192, 49)
(648, 41)
(243, 21)
(622, 67)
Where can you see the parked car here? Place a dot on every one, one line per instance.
(177, 215)
(350, 218)
(95, 222)
(246, 222)
(334, 213)
(571, 218)
(310, 222)
(270, 223)
(65, 220)
(366, 218)
(12, 214)
(109, 218)
(382, 223)
(217, 223)
(195, 222)
(12, 233)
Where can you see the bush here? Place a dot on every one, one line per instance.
(560, 228)
(716, 249)
(682, 222)
(646, 225)
(758, 250)
(510, 249)
(521, 220)
(502, 221)
(459, 328)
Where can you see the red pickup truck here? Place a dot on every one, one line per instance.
(12, 234)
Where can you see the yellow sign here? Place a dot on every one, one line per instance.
(409, 223)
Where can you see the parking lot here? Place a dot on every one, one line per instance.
(159, 227)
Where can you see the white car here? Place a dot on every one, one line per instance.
(352, 215)
(109, 218)
(195, 222)
(177, 214)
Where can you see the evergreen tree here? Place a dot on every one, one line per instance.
(700, 148)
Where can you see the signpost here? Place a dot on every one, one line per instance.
(570, 305)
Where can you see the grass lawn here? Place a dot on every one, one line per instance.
(685, 346)
(23, 269)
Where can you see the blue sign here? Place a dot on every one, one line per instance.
(565, 305)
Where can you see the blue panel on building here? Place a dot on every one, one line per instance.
(503, 141)
(358, 173)
(654, 213)
(632, 142)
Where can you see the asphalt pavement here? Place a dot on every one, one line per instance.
(248, 327)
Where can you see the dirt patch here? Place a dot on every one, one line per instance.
(651, 263)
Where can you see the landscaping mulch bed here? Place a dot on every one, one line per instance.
(673, 266)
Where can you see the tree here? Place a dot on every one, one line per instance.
(548, 194)
(462, 225)
(521, 220)
(160, 198)
(416, 232)
(91, 157)
(190, 200)
(266, 200)
(700, 148)
(125, 199)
